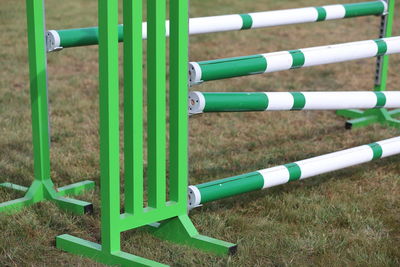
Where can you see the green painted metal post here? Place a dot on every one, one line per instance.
(133, 107)
(156, 102)
(42, 188)
(364, 118)
(165, 219)
(178, 85)
(109, 125)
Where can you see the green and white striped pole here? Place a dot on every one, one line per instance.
(285, 60)
(57, 39)
(258, 180)
(201, 102)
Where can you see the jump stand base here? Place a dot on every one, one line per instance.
(45, 190)
(361, 118)
(178, 230)
(182, 231)
(94, 251)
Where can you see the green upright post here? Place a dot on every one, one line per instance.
(42, 188)
(167, 219)
(363, 118)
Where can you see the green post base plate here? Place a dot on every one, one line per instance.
(45, 190)
(178, 230)
(361, 118)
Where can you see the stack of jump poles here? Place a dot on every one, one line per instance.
(207, 102)
(202, 102)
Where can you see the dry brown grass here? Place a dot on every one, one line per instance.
(350, 217)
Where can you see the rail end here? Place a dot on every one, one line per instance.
(194, 73)
(53, 41)
(194, 197)
(197, 103)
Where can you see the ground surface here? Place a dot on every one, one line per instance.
(349, 217)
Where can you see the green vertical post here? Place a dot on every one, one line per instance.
(133, 106)
(42, 188)
(38, 89)
(156, 102)
(109, 124)
(178, 85)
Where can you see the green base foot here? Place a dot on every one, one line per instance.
(178, 230)
(94, 251)
(15, 205)
(44, 190)
(365, 118)
(15, 187)
(182, 231)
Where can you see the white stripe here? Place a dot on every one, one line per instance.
(280, 101)
(339, 100)
(390, 147)
(283, 17)
(334, 12)
(206, 25)
(278, 61)
(393, 44)
(275, 176)
(335, 161)
(215, 24)
(339, 52)
(392, 99)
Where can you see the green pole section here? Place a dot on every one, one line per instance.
(231, 186)
(228, 102)
(109, 125)
(84, 36)
(238, 66)
(363, 9)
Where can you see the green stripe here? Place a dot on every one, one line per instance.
(321, 13)
(377, 150)
(294, 171)
(380, 99)
(220, 102)
(232, 67)
(298, 58)
(382, 47)
(83, 36)
(230, 186)
(247, 21)
(299, 101)
(364, 9)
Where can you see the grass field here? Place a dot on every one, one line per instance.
(350, 217)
